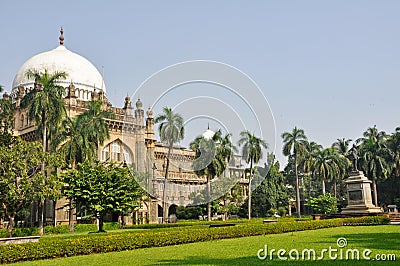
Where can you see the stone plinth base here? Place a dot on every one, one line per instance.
(362, 209)
(359, 195)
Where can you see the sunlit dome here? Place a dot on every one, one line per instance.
(80, 71)
(208, 134)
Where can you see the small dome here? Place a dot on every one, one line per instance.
(139, 104)
(149, 113)
(78, 69)
(208, 134)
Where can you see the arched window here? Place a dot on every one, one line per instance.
(118, 152)
(22, 120)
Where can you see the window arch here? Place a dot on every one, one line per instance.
(118, 152)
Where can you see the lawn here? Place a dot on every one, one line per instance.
(382, 240)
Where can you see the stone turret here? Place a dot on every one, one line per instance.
(149, 124)
(139, 113)
(128, 106)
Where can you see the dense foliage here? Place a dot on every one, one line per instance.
(323, 204)
(21, 179)
(101, 188)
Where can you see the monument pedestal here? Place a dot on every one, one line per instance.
(359, 195)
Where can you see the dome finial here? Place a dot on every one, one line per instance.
(61, 38)
(208, 127)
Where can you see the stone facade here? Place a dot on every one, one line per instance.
(132, 138)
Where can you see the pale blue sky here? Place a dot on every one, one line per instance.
(329, 67)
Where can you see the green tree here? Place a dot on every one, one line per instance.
(325, 165)
(323, 204)
(273, 193)
(46, 107)
(45, 102)
(21, 179)
(171, 131)
(375, 157)
(102, 187)
(6, 120)
(294, 145)
(252, 152)
(209, 163)
(95, 130)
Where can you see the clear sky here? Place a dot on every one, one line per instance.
(329, 67)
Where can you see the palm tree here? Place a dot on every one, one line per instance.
(96, 129)
(294, 144)
(252, 152)
(72, 142)
(394, 145)
(209, 162)
(325, 165)
(375, 161)
(212, 157)
(342, 146)
(79, 143)
(171, 130)
(375, 156)
(45, 102)
(46, 107)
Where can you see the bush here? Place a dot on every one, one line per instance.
(75, 245)
(323, 204)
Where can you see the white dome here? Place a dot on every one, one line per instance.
(208, 134)
(79, 71)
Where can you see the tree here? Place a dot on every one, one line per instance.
(171, 131)
(375, 157)
(294, 143)
(96, 129)
(209, 162)
(21, 179)
(102, 187)
(46, 107)
(375, 162)
(326, 165)
(252, 152)
(272, 193)
(323, 204)
(45, 102)
(6, 120)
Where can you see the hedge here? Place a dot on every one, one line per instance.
(59, 229)
(55, 247)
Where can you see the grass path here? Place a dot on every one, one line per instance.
(243, 251)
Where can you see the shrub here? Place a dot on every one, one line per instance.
(107, 242)
(323, 204)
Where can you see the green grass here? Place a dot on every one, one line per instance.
(243, 251)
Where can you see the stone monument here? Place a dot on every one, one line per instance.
(359, 192)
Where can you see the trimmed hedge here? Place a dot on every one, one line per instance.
(56, 247)
(59, 229)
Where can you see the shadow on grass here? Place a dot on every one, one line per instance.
(374, 241)
(193, 260)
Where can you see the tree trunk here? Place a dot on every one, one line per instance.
(71, 209)
(41, 203)
(297, 187)
(375, 194)
(335, 188)
(10, 225)
(71, 216)
(208, 198)
(101, 223)
(165, 185)
(323, 186)
(249, 193)
(41, 216)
